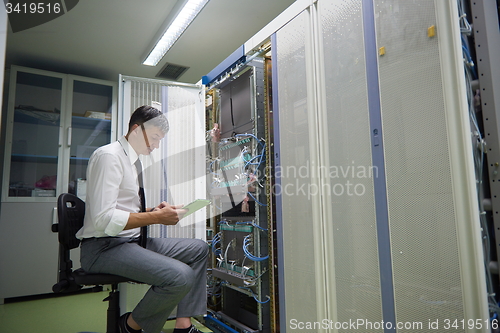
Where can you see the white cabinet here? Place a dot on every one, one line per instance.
(54, 122)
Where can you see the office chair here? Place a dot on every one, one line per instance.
(70, 211)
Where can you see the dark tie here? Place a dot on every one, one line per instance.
(144, 230)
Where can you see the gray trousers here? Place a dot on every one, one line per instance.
(174, 267)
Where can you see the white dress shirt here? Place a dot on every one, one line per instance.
(112, 191)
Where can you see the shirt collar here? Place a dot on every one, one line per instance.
(129, 151)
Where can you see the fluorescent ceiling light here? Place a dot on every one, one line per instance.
(175, 30)
(187, 14)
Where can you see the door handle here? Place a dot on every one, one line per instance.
(55, 224)
(69, 136)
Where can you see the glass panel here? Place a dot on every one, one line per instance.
(35, 138)
(91, 128)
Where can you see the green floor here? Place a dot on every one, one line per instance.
(68, 314)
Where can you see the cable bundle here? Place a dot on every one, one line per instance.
(247, 241)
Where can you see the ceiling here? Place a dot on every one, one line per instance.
(103, 39)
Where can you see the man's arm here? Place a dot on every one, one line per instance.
(164, 214)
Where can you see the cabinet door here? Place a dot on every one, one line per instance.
(28, 249)
(91, 118)
(33, 129)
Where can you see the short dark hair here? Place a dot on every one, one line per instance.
(150, 116)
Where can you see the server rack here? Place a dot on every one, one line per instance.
(238, 167)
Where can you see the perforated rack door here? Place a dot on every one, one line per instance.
(348, 172)
(303, 270)
(430, 189)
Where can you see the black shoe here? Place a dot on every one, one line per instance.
(122, 324)
(190, 329)
(194, 330)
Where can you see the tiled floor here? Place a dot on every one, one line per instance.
(68, 314)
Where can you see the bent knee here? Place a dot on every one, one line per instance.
(183, 279)
(200, 249)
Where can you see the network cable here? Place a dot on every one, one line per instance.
(247, 241)
(216, 240)
(253, 224)
(255, 296)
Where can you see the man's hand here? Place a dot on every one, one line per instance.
(168, 214)
(180, 212)
(164, 213)
(160, 206)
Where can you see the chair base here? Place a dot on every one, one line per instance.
(113, 314)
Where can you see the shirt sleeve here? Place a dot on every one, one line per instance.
(105, 175)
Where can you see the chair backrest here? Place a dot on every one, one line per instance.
(70, 212)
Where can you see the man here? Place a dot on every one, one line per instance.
(175, 268)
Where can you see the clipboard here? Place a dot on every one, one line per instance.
(195, 205)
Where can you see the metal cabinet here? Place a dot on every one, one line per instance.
(54, 123)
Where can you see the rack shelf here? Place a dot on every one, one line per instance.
(91, 123)
(33, 158)
(36, 117)
(52, 119)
